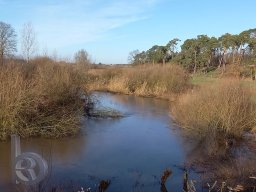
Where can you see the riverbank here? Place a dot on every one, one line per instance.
(105, 149)
(173, 83)
(44, 99)
(148, 81)
(41, 98)
(217, 111)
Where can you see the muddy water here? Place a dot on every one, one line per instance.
(132, 151)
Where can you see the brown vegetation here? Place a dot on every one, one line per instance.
(39, 99)
(160, 81)
(217, 113)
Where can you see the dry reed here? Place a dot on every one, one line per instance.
(217, 113)
(145, 80)
(39, 99)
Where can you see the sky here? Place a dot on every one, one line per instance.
(109, 29)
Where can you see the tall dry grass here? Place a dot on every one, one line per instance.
(145, 80)
(217, 112)
(39, 99)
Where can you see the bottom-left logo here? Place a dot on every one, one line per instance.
(27, 168)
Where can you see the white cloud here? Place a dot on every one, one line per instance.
(66, 23)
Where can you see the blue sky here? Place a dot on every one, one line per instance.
(110, 29)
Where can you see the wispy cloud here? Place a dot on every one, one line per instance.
(66, 23)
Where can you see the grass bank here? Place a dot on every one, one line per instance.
(149, 81)
(217, 113)
(216, 107)
(40, 99)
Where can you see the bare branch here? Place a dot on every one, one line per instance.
(8, 41)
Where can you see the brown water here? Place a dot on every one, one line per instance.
(132, 151)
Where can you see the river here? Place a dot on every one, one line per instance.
(132, 152)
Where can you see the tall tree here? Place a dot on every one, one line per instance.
(252, 44)
(142, 57)
(190, 50)
(8, 41)
(172, 48)
(203, 52)
(226, 43)
(157, 54)
(162, 53)
(28, 41)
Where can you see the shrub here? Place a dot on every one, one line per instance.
(223, 110)
(39, 100)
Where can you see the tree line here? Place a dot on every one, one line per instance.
(29, 44)
(202, 52)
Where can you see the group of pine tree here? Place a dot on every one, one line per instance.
(203, 52)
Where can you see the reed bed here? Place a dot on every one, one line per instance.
(40, 99)
(156, 81)
(218, 113)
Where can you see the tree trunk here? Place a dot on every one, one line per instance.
(195, 67)
(241, 55)
(223, 63)
(233, 57)
(209, 62)
(220, 61)
(224, 67)
(2, 59)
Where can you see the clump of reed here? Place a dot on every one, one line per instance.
(39, 99)
(147, 80)
(217, 113)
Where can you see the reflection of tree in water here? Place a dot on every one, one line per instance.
(62, 150)
(5, 164)
(218, 160)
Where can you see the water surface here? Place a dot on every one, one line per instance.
(132, 151)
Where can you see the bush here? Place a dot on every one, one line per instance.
(39, 100)
(213, 113)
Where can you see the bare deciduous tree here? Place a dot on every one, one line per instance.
(82, 57)
(8, 41)
(28, 41)
(133, 57)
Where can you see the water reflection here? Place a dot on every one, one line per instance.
(136, 105)
(132, 152)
